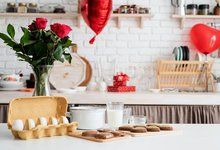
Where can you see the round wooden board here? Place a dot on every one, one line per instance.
(88, 72)
(68, 76)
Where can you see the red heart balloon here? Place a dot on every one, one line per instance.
(205, 38)
(96, 14)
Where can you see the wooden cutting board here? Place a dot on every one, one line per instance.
(78, 134)
(88, 73)
(152, 133)
(68, 76)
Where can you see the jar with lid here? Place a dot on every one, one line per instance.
(133, 9)
(204, 9)
(59, 9)
(32, 8)
(192, 9)
(124, 9)
(11, 7)
(22, 8)
(217, 9)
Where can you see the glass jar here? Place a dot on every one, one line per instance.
(32, 8)
(217, 9)
(204, 9)
(124, 9)
(192, 9)
(11, 7)
(59, 9)
(22, 8)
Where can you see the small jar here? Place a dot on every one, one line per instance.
(217, 9)
(22, 8)
(124, 9)
(192, 9)
(204, 9)
(144, 10)
(59, 9)
(11, 7)
(133, 9)
(32, 8)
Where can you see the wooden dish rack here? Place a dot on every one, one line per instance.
(185, 75)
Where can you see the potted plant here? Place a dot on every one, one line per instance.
(40, 48)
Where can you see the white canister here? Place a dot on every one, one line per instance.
(89, 118)
(217, 87)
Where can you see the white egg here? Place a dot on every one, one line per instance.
(54, 121)
(43, 121)
(31, 124)
(65, 120)
(18, 125)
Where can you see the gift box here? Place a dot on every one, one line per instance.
(120, 80)
(121, 89)
(119, 83)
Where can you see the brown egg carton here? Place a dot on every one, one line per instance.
(35, 107)
(48, 131)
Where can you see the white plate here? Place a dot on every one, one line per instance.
(68, 76)
(11, 85)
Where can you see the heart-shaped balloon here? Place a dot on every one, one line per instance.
(96, 14)
(205, 38)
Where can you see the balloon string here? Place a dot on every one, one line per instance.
(92, 40)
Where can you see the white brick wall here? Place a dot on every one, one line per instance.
(131, 45)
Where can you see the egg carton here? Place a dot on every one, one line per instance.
(48, 131)
(40, 110)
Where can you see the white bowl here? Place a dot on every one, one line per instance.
(155, 90)
(11, 85)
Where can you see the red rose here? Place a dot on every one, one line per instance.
(31, 27)
(41, 23)
(61, 30)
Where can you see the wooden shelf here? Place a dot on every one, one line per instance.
(183, 18)
(50, 15)
(118, 17)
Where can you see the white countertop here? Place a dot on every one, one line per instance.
(137, 98)
(188, 137)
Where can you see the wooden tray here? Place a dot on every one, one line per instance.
(78, 134)
(151, 133)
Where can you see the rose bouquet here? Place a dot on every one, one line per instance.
(40, 48)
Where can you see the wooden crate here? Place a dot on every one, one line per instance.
(186, 75)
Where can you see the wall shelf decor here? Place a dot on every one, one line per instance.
(183, 18)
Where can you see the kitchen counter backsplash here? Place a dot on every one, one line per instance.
(133, 49)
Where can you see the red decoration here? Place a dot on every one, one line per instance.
(96, 14)
(61, 30)
(205, 38)
(121, 89)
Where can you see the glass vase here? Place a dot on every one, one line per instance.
(42, 85)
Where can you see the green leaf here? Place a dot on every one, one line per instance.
(7, 40)
(17, 48)
(58, 53)
(23, 57)
(11, 31)
(68, 57)
(67, 43)
(25, 38)
(39, 61)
